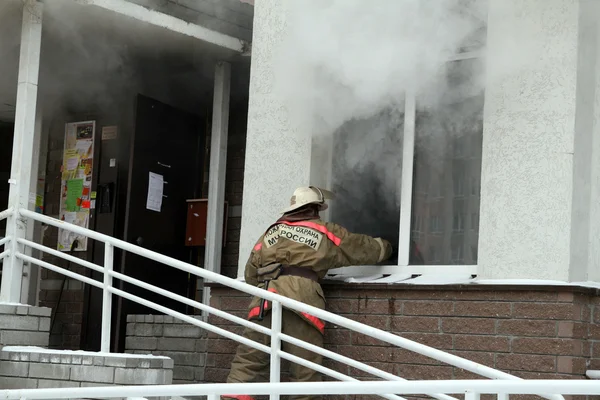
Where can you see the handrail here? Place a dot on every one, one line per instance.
(470, 387)
(6, 213)
(243, 287)
(5, 240)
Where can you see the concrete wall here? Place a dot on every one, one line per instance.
(278, 154)
(540, 178)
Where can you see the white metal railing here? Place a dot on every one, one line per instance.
(472, 389)
(276, 300)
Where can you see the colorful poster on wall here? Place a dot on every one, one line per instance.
(75, 200)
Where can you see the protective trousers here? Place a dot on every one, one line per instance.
(252, 365)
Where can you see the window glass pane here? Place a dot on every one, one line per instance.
(367, 167)
(447, 170)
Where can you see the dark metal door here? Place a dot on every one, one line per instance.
(166, 142)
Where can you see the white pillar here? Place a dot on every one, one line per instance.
(278, 151)
(23, 145)
(216, 173)
(528, 143)
(29, 285)
(217, 168)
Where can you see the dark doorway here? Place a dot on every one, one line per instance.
(167, 142)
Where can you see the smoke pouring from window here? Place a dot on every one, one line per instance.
(343, 70)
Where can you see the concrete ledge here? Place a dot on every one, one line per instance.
(33, 367)
(24, 325)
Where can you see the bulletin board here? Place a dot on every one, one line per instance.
(76, 197)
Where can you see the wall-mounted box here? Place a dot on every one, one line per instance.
(197, 217)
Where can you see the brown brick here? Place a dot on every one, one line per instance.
(527, 328)
(367, 353)
(336, 366)
(376, 321)
(223, 360)
(482, 343)
(400, 355)
(222, 346)
(385, 367)
(571, 365)
(565, 329)
(234, 303)
(342, 306)
(481, 357)
(546, 346)
(566, 297)
(464, 374)
(527, 295)
(438, 341)
(364, 340)
(424, 372)
(594, 331)
(428, 308)
(596, 349)
(337, 336)
(215, 375)
(469, 325)
(546, 311)
(415, 324)
(482, 309)
(540, 375)
(371, 306)
(526, 362)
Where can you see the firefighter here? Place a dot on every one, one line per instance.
(289, 259)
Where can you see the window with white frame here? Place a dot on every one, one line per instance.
(411, 174)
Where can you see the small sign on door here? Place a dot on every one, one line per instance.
(109, 132)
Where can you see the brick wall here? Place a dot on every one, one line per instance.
(534, 333)
(24, 325)
(163, 335)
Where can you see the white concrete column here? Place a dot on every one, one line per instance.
(585, 240)
(217, 168)
(217, 172)
(278, 153)
(529, 139)
(23, 145)
(31, 275)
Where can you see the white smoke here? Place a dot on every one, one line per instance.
(344, 68)
(346, 59)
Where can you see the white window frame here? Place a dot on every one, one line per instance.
(406, 193)
(323, 155)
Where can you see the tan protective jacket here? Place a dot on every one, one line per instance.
(313, 244)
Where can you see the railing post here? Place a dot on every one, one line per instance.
(502, 396)
(276, 318)
(22, 154)
(109, 251)
(470, 395)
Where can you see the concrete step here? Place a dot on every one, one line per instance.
(34, 367)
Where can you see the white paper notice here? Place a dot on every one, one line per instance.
(83, 146)
(72, 163)
(155, 192)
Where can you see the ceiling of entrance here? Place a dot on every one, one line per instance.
(90, 55)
